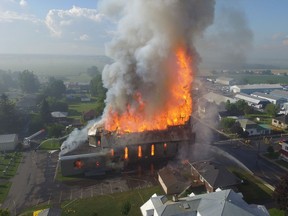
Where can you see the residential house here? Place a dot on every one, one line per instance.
(220, 203)
(89, 115)
(8, 142)
(170, 181)
(284, 150)
(280, 121)
(213, 175)
(252, 128)
(60, 117)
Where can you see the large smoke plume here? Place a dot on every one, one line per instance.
(144, 45)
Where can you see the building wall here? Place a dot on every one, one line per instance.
(279, 124)
(9, 146)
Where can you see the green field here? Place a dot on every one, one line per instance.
(50, 144)
(76, 110)
(110, 204)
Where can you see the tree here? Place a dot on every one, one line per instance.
(93, 71)
(4, 212)
(10, 119)
(272, 109)
(45, 113)
(57, 105)
(227, 123)
(126, 208)
(28, 82)
(55, 88)
(281, 194)
(96, 87)
(55, 130)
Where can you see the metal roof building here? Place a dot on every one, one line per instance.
(251, 100)
(8, 142)
(280, 93)
(272, 98)
(221, 203)
(248, 89)
(217, 98)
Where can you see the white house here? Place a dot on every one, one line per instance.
(220, 203)
(284, 150)
(8, 142)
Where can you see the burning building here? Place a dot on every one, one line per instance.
(148, 99)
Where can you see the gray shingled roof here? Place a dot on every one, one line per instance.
(216, 175)
(221, 203)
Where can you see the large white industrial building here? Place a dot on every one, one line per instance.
(8, 142)
(249, 89)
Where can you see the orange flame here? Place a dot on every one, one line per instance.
(112, 153)
(175, 111)
(139, 151)
(126, 153)
(152, 150)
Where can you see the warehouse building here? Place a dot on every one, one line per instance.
(225, 81)
(277, 100)
(252, 101)
(217, 98)
(249, 89)
(280, 93)
(8, 142)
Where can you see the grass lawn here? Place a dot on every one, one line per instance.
(253, 190)
(110, 204)
(50, 144)
(276, 212)
(75, 110)
(9, 163)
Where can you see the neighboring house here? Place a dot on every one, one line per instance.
(170, 181)
(220, 203)
(226, 114)
(252, 101)
(225, 81)
(213, 175)
(253, 128)
(249, 89)
(8, 142)
(284, 150)
(280, 121)
(60, 117)
(206, 109)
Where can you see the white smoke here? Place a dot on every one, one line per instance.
(76, 138)
(144, 45)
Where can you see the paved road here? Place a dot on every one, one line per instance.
(34, 183)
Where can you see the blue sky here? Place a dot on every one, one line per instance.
(77, 27)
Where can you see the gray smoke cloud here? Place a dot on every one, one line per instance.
(144, 44)
(229, 40)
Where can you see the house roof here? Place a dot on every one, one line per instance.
(59, 114)
(221, 203)
(217, 98)
(4, 138)
(282, 118)
(215, 174)
(246, 123)
(167, 176)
